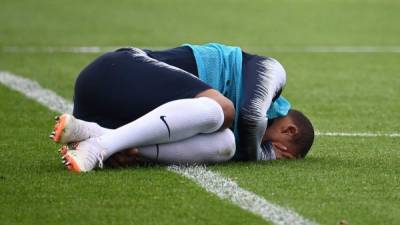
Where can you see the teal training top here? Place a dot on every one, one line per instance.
(220, 66)
(223, 68)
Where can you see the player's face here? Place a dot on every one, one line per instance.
(280, 133)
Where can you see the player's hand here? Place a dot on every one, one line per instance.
(281, 151)
(124, 158)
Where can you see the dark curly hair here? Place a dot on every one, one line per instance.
(305, 135)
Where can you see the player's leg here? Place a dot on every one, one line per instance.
(171, 122)
(216, 147)
(119, 87)
(189, 116)
(226, 105)
(203, 148)
(69, 129)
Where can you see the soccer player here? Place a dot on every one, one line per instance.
(177, 106)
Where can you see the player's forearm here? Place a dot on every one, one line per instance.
(250, 137)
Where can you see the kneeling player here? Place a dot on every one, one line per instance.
(176, 106)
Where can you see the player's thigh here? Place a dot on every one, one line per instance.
(119, 87)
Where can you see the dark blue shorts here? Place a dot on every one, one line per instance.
(121, 86)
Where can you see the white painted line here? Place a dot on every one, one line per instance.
(362, 134)
(335, 49)
(34, 91)
(225, 188)
(305, 49)
(212, 182)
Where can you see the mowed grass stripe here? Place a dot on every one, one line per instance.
(212, 182)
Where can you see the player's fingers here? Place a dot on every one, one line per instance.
(287, 155)
(121, 159)
(279, 146)
(117, 160)
(111, 162)
(131, 161)
(125, 158)
(133, 152)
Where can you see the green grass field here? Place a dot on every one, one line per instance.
(351, 178)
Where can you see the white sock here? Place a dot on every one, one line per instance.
(170, 122)
(202, 148)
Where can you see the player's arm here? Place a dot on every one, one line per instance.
(263, 81)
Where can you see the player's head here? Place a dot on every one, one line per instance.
(292, 136)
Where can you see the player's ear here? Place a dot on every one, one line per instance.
(291, 129)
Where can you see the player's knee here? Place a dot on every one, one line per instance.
(226, 105)
(229, 113)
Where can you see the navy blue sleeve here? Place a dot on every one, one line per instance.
(263, 80)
